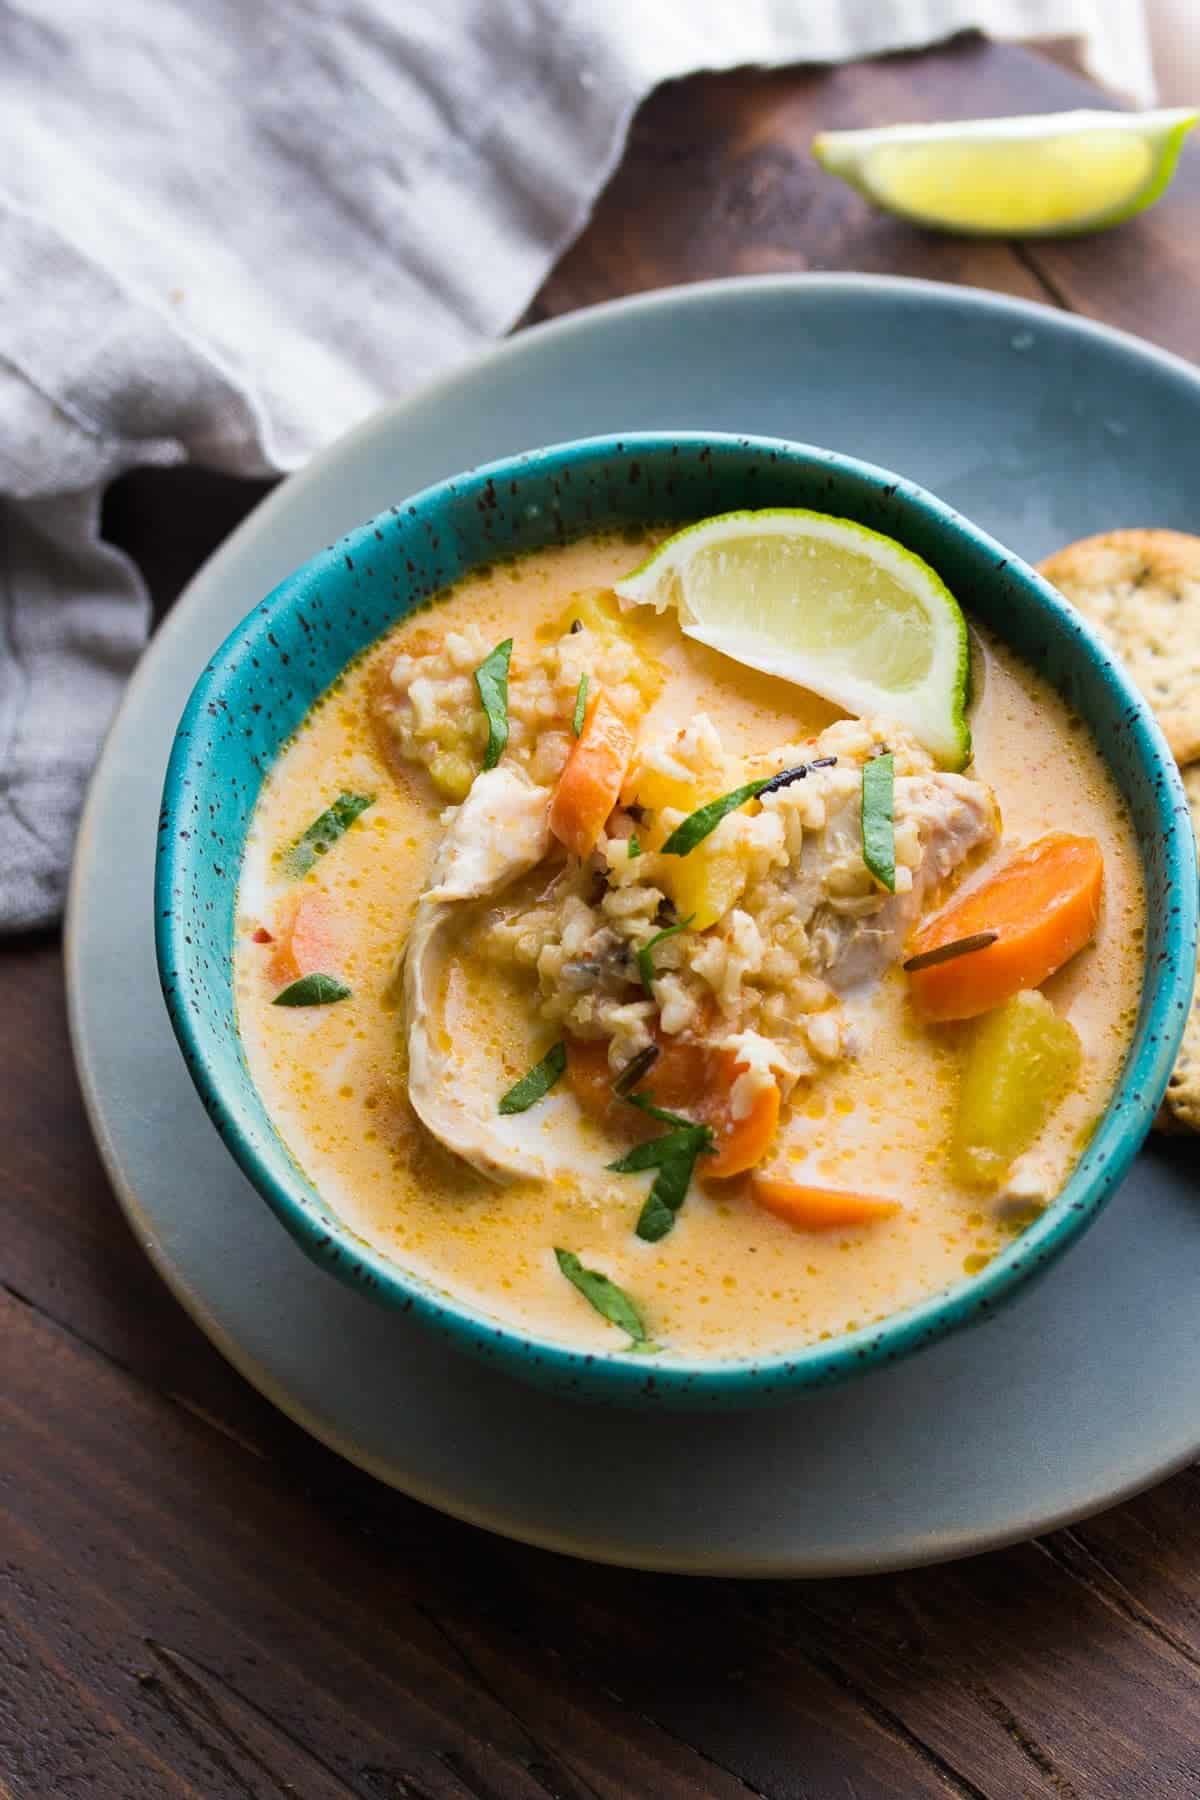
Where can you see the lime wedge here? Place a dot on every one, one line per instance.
(827, 604)
(1051, 174)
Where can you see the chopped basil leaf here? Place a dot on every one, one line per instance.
(669, 1189)
(665, 1198)
(635, 849)
(491, 678)
(312, 990)
(324, 832)
(537, 1083)
(695, 828)
(878, 834)
(673, 1157)
(646, 1102)
(580, 705)
(645, 961)
(609, 1300)
(653, 1153)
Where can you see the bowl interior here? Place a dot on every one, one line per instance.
(261, 683)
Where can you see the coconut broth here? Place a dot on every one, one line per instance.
(730, 1281)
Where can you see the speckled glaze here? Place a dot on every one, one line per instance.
(259, 686)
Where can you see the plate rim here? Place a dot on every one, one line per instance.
(933, 1548)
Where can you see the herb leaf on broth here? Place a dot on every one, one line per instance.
(645, 961)
(580, 713)
(535, 1085)
(609, 1300)
(673, 1157)
(696, 827)
(491, 678)
(878, 832)
(313, 990)
(635, 849)
(324, 832)
(646, 1102)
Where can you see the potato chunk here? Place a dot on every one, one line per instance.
(1022, 1061)
(705, 884)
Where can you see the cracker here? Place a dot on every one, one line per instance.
(1180, 1110)
(1142, 590)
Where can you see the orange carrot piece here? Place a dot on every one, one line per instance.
(1044, 904)
(741, 1143)
(687, 1077)
(590, 783)
(308, 940)
(819, 1209)
(590, 1080)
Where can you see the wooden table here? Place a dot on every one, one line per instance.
(197, 1600)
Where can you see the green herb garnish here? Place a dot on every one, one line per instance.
(635, 849)
(696, 827)
(537, 1083)
(491, 678)
(609, 1300)
(878, 833)
(673, 1157)
(645, 961)
(645, 1101)
(313, 990)
(324, 832)
(580, 705)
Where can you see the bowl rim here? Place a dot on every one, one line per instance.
(619, 1374)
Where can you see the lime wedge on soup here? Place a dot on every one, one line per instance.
(1050, 174)
(827, 604)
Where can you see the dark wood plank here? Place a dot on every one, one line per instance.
(1142, 276)
(724, 170)
(64, 1245)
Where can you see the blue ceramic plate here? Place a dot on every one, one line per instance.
(258, 688)
(1040, 427)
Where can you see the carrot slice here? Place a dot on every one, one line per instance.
(590, 1079)
(590, 783)
(687, 1076)
(308, 940)
(700, 1081)
(819, 1209)
(740, 1143)
(1044, 904)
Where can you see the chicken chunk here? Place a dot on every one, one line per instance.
(498, 834)
(857, 931)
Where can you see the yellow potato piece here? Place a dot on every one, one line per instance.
(704, 884)
(1022, 1061)
(598, 611)
(452, 774)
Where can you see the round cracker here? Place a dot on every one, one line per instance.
(1141, 589)
(1180, 1110)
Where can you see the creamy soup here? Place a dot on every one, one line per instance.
(750, 989)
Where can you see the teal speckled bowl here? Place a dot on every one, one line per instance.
(262, 681)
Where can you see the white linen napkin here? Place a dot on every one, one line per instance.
(229, 231)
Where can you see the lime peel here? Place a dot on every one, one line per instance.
(824, 603)
(1050, 174)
